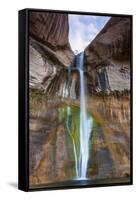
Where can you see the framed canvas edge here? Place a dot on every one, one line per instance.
(23, 122)
(23, 126)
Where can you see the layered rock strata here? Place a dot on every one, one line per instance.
(108, 56)
(49, 48)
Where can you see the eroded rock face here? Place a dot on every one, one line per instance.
(51, 28)
(50, 50)
(51, 146)
(108, 55)
(51, 150)
(40, 68)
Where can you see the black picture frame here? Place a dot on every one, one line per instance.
(23, 132)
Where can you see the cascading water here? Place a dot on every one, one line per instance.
(85, 122)
(79, 124)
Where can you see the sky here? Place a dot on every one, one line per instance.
(83, 29)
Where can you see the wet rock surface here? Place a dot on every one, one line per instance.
(51, 148)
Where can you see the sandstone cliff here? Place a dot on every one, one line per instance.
(54, 121)
(49, 47)
(108, 56)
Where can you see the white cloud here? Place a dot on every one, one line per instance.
(83, 29)
(78, 43)
(92, 28)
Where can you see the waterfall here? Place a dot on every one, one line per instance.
(79, 126)
(85, 122)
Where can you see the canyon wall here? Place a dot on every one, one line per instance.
(107, 69)
(49, 48)
(51, 146)
(108, 57)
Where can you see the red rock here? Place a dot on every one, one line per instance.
(113, 42)
(50, 28)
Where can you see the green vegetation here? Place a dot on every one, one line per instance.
(70, 117)
(36, 93)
